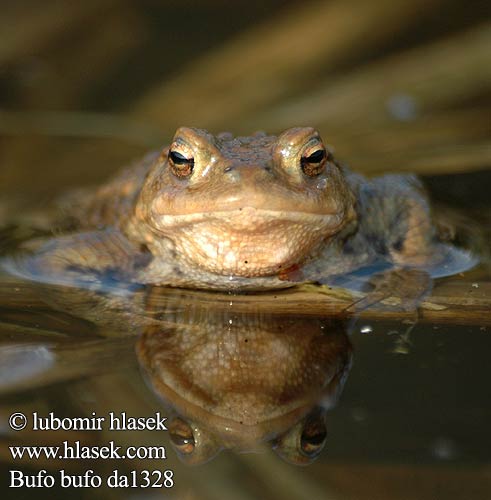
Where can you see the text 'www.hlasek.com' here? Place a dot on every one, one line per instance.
(72, 449)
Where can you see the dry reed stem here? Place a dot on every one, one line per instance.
(267, 62)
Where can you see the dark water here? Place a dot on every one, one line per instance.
(382, 408)
(412, 419)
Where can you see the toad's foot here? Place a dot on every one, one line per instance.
(407, 287)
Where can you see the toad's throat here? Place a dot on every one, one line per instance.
(256, 245)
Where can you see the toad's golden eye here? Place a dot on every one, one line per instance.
(313, 437)
(313, 163)
(303, 443)
(181, 436)
(180, 165)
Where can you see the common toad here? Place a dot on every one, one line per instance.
(246, 213)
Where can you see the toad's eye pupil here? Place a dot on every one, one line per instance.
(179, 165)
(179, 159)
(313, 164)
(317, 156)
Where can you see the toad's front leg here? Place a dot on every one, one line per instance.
(399, 217)
(97, 259)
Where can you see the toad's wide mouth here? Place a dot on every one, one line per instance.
(235, 429)
(251, 218)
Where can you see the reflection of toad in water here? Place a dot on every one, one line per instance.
(239, 381)
(230, 376)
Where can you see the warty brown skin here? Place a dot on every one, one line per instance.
(247, 213)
